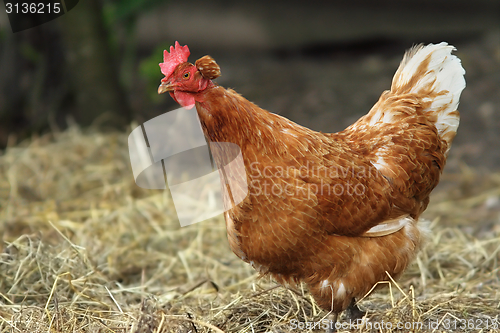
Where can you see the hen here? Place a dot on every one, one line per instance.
(337, 211)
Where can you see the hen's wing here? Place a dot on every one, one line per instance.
(405, 137)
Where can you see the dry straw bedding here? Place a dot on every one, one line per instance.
(85, 250)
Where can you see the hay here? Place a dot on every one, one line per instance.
(85, 250)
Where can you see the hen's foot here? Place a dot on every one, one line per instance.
(353, 312)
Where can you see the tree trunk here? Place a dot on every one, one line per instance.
(92, 70)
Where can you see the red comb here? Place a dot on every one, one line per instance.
(177, 55)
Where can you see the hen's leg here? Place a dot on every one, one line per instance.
(333, 320)
(353, 312)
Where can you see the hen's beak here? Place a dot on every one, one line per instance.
(164, 87)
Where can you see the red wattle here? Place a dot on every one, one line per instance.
(185, 99)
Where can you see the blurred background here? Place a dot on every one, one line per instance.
(322, 64)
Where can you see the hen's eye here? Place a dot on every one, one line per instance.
(186, 75)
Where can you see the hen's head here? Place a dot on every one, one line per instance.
(184, 80)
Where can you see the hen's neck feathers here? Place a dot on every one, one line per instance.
(226, 116)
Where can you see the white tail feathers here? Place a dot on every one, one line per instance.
(438, 77)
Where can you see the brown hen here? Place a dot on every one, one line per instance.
(337, 211)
